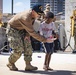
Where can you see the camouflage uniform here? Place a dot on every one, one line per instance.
(19, 45)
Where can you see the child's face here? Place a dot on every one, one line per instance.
(49, 20)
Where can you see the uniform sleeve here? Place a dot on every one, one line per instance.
(29, 28)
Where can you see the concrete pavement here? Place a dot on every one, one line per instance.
(63, 63)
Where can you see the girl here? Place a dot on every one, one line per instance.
(47, 29)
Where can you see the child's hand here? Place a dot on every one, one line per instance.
(54, 39)
(49, 40)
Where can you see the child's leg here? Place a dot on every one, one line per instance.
(49, 59)
(46, 62)
(49, 51)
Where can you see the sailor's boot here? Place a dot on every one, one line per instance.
(12, 67)
(29, 67)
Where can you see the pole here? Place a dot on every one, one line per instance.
(12, 8)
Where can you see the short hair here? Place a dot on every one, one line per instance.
(49, 15)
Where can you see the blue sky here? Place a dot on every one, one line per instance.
(19, 5)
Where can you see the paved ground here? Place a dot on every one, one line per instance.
(63, 63)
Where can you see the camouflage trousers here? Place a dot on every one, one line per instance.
(19, 46)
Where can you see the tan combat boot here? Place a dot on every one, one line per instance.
(29, 67)
(12, 67)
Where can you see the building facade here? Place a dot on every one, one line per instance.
(57, 6)
(1, 8)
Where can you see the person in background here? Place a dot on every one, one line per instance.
(47, 8)
(46, 29)
(19, 29)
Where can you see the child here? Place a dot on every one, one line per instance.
(46, 29)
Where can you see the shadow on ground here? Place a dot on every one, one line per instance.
(55, 72)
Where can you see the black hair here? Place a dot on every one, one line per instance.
(49, 15)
